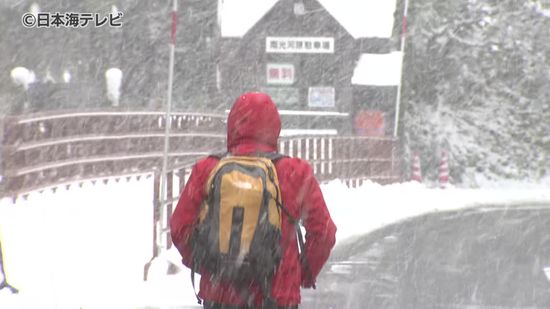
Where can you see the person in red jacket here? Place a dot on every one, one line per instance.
(253, 125)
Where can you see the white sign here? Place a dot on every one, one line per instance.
(321, 97)
(280, 74)
(304, 45)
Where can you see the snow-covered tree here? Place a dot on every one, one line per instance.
(476, 83)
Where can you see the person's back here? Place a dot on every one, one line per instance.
(253, 127)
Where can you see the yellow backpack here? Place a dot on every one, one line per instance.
(239, 229)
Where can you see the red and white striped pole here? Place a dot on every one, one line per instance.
(416, 174)
(163, 222)
(444, 170)
(402, 47)
(160, 218)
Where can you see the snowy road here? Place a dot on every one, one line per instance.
(489, 257)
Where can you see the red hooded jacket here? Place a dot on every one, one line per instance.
(254, 125)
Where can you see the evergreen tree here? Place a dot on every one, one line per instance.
(476, 84)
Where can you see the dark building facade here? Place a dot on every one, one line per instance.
(298, 53)
(304, 58)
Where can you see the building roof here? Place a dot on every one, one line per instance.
(366, 18)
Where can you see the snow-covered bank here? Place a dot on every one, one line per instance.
(371, 206)
(86, 247)
(79, 246)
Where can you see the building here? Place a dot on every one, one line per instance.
(304, 54)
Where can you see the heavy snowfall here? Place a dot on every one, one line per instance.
(458, 89)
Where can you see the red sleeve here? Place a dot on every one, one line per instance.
(185, 216)
(320, 229)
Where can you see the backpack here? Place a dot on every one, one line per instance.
(237, 237)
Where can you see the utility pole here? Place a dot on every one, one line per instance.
(167, 126)
(161, 221)
(402, 47)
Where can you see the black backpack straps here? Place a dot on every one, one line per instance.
(303, 258)
(199, 301)
(273, 156)
(219, 155)
(268, 300)
(301, 243)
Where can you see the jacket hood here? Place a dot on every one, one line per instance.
(253, 124)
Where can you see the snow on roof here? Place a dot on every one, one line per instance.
(366, 18)
(378, 69)
(239, 16)
(363, 19)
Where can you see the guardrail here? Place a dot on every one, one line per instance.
(45, 150)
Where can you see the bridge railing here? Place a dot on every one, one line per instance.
(45, 150)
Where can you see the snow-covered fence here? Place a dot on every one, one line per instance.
(44, 150)
(48, 150)
(350, 158)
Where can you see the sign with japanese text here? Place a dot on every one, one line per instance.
(281, 74)
(321, 97)
(304, 45)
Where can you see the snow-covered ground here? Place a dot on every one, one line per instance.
(85, 247)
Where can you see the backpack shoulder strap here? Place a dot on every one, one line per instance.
(273, 156)
(219, 155)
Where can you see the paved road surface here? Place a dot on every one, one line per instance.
(491, 257)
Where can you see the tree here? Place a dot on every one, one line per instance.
(475, 85)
